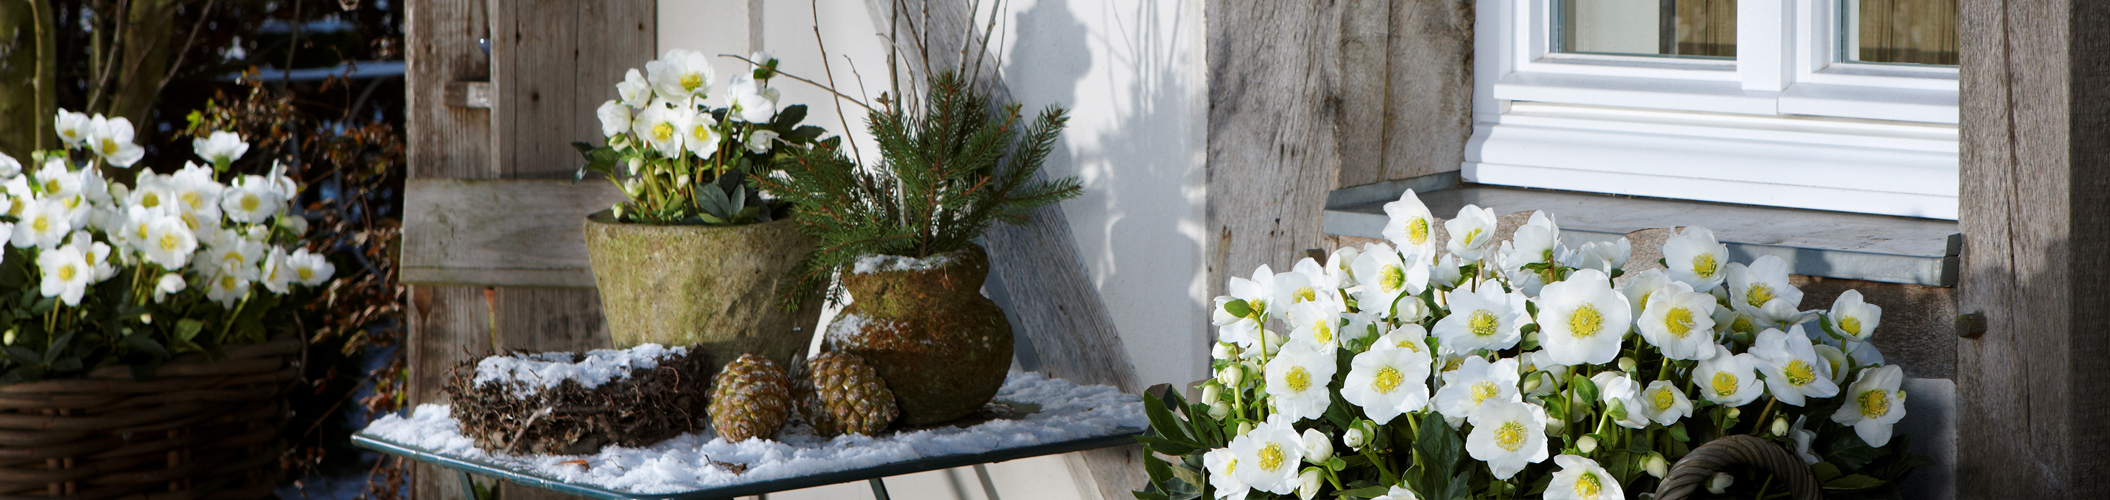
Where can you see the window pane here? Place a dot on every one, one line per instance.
(1899, 31)
(1675, 28)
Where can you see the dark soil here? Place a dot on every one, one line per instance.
(649, 407)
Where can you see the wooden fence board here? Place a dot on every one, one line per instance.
(499, 233)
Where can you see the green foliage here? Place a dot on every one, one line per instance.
(948, 171)
(687, 189)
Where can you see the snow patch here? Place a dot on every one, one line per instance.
(849, 329)
(871, 264)
(529, 374)
(684, 463)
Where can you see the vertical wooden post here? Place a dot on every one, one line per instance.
(2035, 213)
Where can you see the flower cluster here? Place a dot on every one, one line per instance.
(673, 135)
(1554, 370)
(106, 255)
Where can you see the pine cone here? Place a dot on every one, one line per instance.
(751, 399)
(843, 394)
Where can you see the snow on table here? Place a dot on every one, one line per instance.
(1067, 412)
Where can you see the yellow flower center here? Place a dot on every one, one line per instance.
(1391, 278)
(1304, 294)
(1585, 321)
(140, 230)
(1587, 486)
(51, 186)
(1321, 332)
(150, 200)
(251, 202)
(109, 146)
(42, 224)
(1724, 384)
(1510, 436)
(1482, 323)
(1799, 373)
(689, 81)
(1678, 321)
(1410, 345)
(169, 242)
(1386, 380)
(1298, 379)
(1758, 294)
(1418, 231)
(67, 272)
(1259, 308)
(1484, 390)
(1662, 399)
(701, 133)
(305, 274)
(1704, 265)
(1230, 466)
(1874, 403)
(1470, 235)
(1851, 325)
(192, 198)
(227, 282)
(1743, 324)
(663, 132)
(1271, 457)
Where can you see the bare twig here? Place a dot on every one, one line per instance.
(830, 70)
(988, 31)
(111, 52)
(200, 26)
(828, 88)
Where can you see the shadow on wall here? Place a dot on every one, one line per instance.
(1134, 144)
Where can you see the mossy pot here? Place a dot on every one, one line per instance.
(710, 287)
(941, 346)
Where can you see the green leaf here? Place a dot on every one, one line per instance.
(57, 347)
(1824, 471)
(24, 355)
(1238, 308)
(146, 343)
(1853, 482)
(1365, 492)
(1166, 446)
(1677, 433)
(1583, 387)
(789, 116)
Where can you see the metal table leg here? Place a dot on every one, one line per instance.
(468, 487)
(879, 489)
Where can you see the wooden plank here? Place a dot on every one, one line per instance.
(436, 311)
(534, 121)
(2035, 164)
(1366, 30)
(1428, 101)
(613, 36)
(499, 233)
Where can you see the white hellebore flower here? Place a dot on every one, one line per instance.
(1620, 389)
(760, 141)
(251, 201)
(1600, 255)
(1538, 240)
(750, 101)
(702, 134)
(1719, 483)
(1664, 403)
(1877, 404)
(1729, 380)
(1486, 319)
(1508, 435)
(276, 275)
(97, 254)
(1337, 266)
(660, 126)
(199, 195)
(169, 284)
(1257, 293)
(220, 148)
(681, 75)
(1385, 278)
(1852, 317)
(1308, 484)
(9, 166)
(43, 225)
(226, 287)
(54, 181)
(1317, 324)
(1317, 446)
(1695, 258)
(310, 269)
(111, 139)
(1475, 384)
(1297, 379)
(1679, 321)
(1447, 274)
(1223, 473)
(615, 118)
(1793, 370)
(169, 243)
(634, 91)
(1761, 289)
(1410, 226)
(1389, 380)
(72, 127)
(1324, 285)
(1582, 479)
(1472, 232)
(1582, 320)
(66, 273)
(1397, 493)
(1802, 440)
(1269, 455)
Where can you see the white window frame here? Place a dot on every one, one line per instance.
(1786, 123)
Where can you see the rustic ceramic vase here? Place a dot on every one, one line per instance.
(711, 287)
(942, 347)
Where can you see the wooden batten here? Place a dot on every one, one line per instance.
(499, 232)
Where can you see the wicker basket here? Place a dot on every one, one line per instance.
(1689, 477)
(200, 429)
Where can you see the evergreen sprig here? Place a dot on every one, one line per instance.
(947, 172)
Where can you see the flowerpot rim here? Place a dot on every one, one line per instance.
(958, 258)
(606, 217)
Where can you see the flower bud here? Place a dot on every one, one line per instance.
(1719, 484)
(1655, 465)
(1245, 428)
(1230, 376)
(1274, 342)
(1317, 446)
(1588, 444)
(1627, 364)
(1308, 484)
(636, 164)
(1533, 383)
(10, 337)
(1219, 410)
(1616, 410)
(1223, 351)
(1212, 394)
(1556, 426)
(1733, 413)
(1780, 426)
(1353, 437)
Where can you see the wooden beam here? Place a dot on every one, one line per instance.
(500, 232)
(2035, 212)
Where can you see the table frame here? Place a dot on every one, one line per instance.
(873, 475)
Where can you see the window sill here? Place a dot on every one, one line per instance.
(1814, 243)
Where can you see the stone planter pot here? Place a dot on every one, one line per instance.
(942, 347)
(710, 287)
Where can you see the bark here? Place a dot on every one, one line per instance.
(144, 61)
(26, 69)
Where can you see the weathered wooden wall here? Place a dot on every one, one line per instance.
(551, 62)
(2036, 261)
(1338, 94)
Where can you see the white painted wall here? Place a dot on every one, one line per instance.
(1132, 74)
